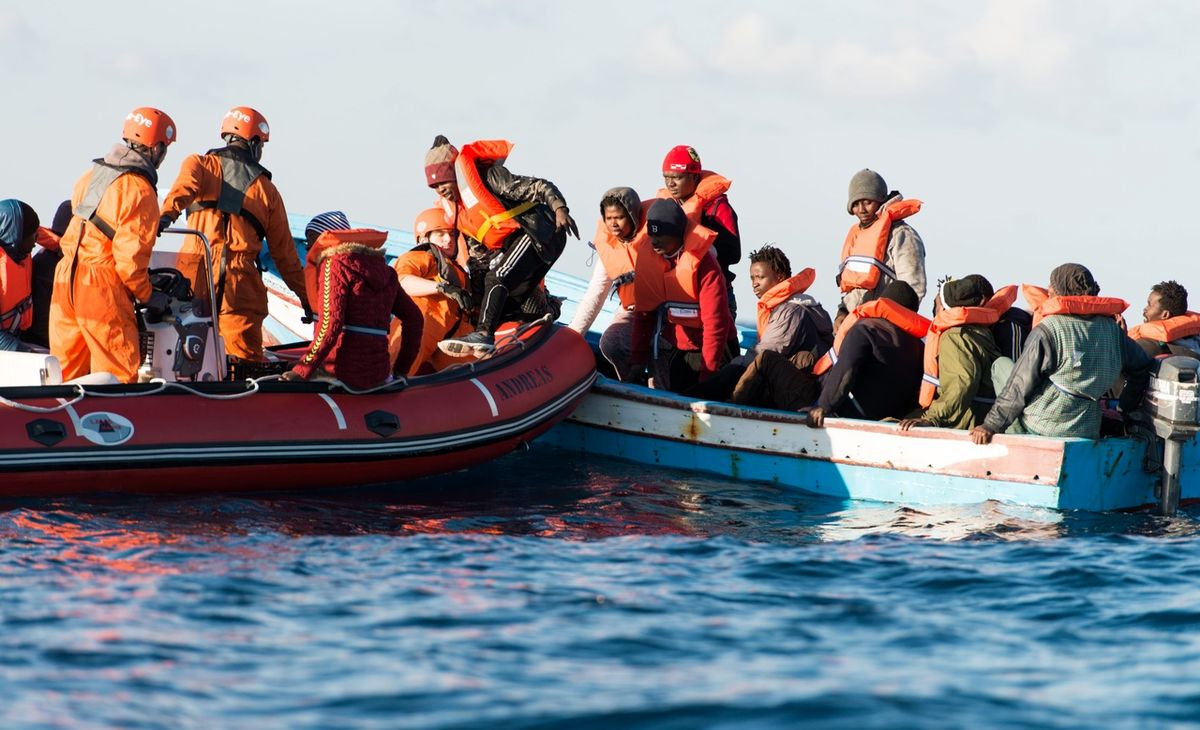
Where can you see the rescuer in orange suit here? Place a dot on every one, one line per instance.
(106, 252)
(230, 198)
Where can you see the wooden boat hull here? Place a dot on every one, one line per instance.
(864, 460)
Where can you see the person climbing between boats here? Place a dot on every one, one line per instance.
(18, 235)
(623, 252)
(690, 309)
(881, 247)
(878, 363)
(231, 198)
(1072, 357)
(106, 254)
(1168, 328)
(355, 293)
(956, 391)
(790, 323)
(432, 273)
(516, 228)
(702, 194)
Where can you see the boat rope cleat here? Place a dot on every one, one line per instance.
(1170, 407)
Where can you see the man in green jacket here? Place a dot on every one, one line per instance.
(965, 355)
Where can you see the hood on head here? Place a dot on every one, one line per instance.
(630, 201)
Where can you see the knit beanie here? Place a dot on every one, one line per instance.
(900, 293)
(1073, 280)
(334, 220)
(682, 158)
(62, 218)
(964, 292)
(866, 185)
(666, 218)
(439, 161)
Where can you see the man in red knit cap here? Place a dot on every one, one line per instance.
(702, 195)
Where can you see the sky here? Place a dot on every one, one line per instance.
(1035, 132)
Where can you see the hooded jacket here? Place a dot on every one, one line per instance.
(359, 294)
(601, 283)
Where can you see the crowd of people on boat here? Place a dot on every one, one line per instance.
(486, 244)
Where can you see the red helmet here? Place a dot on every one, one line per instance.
(245, 123)
(433, 219)
(149, 126)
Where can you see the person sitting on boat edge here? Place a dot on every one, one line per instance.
(701, 193)
(881, 247)
(959, 351)
(790, 321)
(18, 235)
(232, 199)
(620, 242)
(355, 294)
(1168, 327)
(432, 274)
(693, 318)
(878, 366)
(517, 228)
(1072, 357)
(104, 271)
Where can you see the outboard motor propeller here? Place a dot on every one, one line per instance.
(1171, 406)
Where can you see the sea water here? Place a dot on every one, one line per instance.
(546, 590)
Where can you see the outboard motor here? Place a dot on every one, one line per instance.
(175, 347)
(1171, 407)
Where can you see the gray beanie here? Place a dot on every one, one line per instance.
(866, 185)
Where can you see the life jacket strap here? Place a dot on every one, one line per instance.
(501, 217)
(259, 229)
(862, 264)
(15, 312)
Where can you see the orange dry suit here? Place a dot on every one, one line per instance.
(906, 319)
(231, 199)
(443, 317)
(949, 318)
(865, 249)
(106, 253)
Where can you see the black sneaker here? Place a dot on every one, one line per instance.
(479, 342)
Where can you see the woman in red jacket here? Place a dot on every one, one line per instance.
(354, 294)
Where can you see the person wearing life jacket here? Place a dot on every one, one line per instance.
(881, 247)
(1168, 327)
(45, 260)
(432, 273)
(879, 360)
(692, 317)
(106, 254)
(956, 390)
(354, 295)
(230, 198)
(516, 228)
(790, 322)
(702, 195)
(1072, 357)
(18, 236)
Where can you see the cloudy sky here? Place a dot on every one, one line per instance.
(1035, 132)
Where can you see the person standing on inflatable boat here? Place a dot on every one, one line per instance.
(516, 228)
(106, 254)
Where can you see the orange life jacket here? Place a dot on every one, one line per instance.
(1045, 305)
(16, 293)
(865, 249)
(708, 188)
(1168, 330)
(906, 319)
(951, 317)
(780, 293)
(654, 280)
(627, 263)
(481, 215)
(326, 241)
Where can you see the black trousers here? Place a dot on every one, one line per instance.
(512, 276)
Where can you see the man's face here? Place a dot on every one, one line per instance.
(866, 210)
(618, 223)
(763, 277)
(444, 239)
(666, 246)
(1154, 311)
(681, 185)
(448, 190)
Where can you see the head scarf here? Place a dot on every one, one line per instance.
(1073, 280)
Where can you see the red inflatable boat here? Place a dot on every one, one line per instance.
(191, 430)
